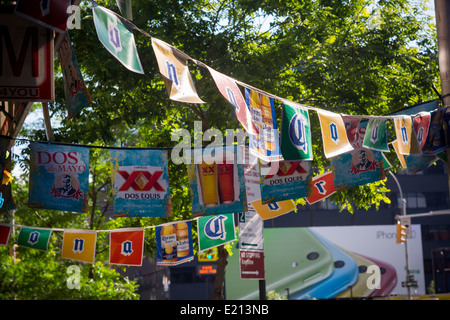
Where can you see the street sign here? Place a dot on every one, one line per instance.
(251, 232)
(252, 265)
(208, 255)
(26, 60)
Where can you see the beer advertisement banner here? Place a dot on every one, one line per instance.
(126, 246)
(291, 181)
(5, 231)
(79, 245)
(76, 93)
(359, 166)
(406, 137)
(215, 230)
(265, 144)
(218, 186)
(59, 177)
(174, 243)
(322, 187)
(116, 35)
(435, 141)
(34, 238)
(375, 137)
(140, 183)
(229, 89)
(334, 134)
(173, 68)
(253, 191)
(295, 134)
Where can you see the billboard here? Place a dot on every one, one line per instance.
(332, 262)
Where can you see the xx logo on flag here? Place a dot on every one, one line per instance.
(295, 166)
(141, 180)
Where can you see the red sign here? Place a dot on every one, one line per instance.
(252, 264)
(26, 60)
(322, 187)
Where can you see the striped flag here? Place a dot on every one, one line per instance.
(334, 134)
(173, 68)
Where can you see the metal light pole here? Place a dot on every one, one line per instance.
(403, 213)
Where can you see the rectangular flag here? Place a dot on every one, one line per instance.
(216, 230)
(359, 166)
(126, 246)
(351, 126)
(401, 157)
(334, 134)
(218, 186)
(291, 181)
(116, 35)
(174, 243)
(375, 137)
(125, 9)
(47, 13)
(140, 183)
(173, 68)
(35, 238)
(322, 187)
(79, 245)
(435, 142)
(229, 89)
(59, 177)
(406, 137)
(265, 144)
(76, 93)
(421, 124)
(5, 231)
(253, 190)
(295, 134)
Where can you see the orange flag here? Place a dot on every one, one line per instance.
(172, 65)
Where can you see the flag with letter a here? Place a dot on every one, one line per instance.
(173, 68)
(79, 245)
(406, 137)
(115, 33)
(334, 134)
(126, 246)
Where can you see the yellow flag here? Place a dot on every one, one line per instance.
(273, 210)
(79, 245)
(406, 137)
(334, 135)
(401, 157)
(172, 65)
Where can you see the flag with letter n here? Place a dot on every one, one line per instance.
(126, 246)
(79, 245)
(215, 230)
(35, 238)
(173, 67)
(406, 136)
(295, 134)
(115, 33)
(334, 134)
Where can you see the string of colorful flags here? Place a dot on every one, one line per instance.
(277, 171)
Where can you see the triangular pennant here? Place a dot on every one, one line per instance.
(126, 246)
(406, 137)
(295, 134)
(334, 134)
(375, 137)
(115, 33)
(79, 245)
(322, 187)
(35, 238)
(229, 89)
(173, 67)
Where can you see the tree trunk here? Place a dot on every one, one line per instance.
(219, 282)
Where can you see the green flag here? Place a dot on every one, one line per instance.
(375, 137)
(35, 238)
(215, 230)
(295, 134)
(115, 33)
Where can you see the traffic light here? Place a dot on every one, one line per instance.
(401, 233)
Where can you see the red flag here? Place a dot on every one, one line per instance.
(421, 124)
(323, 187)
(126, 247)
(5, 231)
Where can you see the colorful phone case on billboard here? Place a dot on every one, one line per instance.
(345, 275)
(388, 277)
(294, 260)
